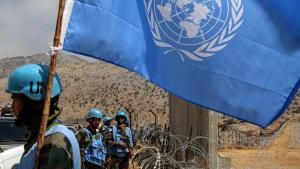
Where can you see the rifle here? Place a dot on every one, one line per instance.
(122, 128)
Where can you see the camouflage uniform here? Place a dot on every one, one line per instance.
(109, 143)
(85, 142)
(122, 155)
(55, 153)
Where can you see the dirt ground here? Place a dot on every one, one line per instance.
(283, 153)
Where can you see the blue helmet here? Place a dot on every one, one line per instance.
(30, 80)
(94, 113)
(106, 119)
(121, 113)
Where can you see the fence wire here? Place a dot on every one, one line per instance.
(232, 137)
(160, 149)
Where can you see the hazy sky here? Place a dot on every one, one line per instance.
(26, 26)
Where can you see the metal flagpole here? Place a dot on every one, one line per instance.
(46, 107)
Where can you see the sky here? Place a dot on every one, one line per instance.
(26, 26)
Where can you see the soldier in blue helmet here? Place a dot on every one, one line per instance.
(92, 141)
(26, 84)
(106, 129)
(123, 141)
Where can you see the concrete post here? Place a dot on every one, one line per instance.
(183, 116)
(213, 139)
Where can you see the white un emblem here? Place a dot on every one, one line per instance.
(193, 28)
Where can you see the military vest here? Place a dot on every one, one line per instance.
(117, 134)
(96, 152)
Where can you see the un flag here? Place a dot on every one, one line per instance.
(237, 57)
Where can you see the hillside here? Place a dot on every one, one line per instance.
(97, 85)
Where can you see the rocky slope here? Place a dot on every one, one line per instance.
(97, 85)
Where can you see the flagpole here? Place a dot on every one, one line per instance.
(47, 100)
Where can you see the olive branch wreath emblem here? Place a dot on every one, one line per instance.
(204, 50)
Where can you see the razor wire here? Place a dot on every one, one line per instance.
(232, 137)
(161, 149)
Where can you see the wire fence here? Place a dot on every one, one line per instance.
(160, 149)
(232, 137)
(238, 139)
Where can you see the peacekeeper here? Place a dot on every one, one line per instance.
(60, 149)
(106, 129)
(92, 141)
(123, 145)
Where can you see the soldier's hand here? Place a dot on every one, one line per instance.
(125, 138)
(123, 127)
(123, 145)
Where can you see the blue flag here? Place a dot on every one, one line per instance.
(237, 57)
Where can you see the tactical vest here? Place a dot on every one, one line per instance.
(117, 134)
(27, 161)
(96, 152)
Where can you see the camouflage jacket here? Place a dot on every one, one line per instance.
(55, 153)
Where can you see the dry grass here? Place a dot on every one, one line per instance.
(97, 85)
